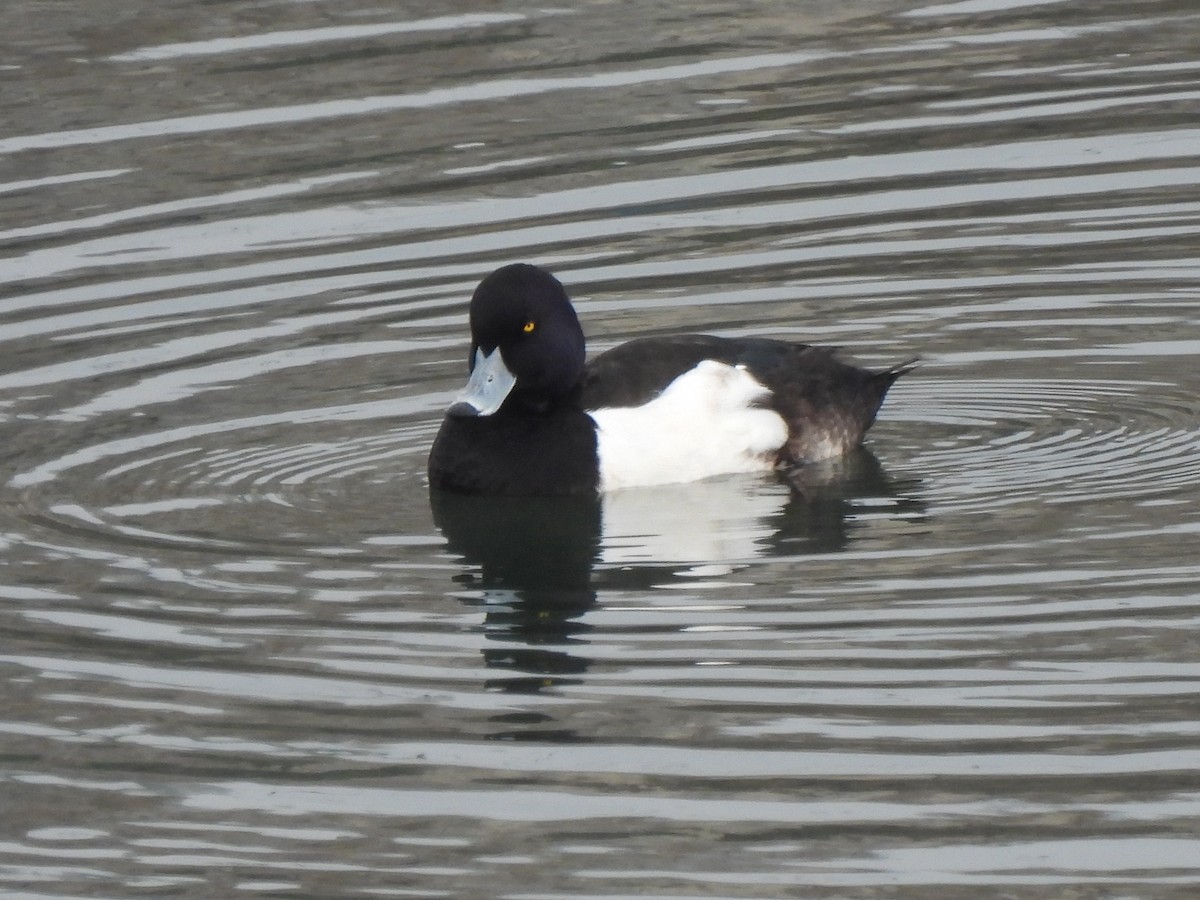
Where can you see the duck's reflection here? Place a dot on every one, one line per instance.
(537, 562)
(827, 503)
(533, 559)
(541, 547)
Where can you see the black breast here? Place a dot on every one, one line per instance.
(525, 454)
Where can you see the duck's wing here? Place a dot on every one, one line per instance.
(636, 372)
(827, 403)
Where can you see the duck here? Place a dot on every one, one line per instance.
(537, 419)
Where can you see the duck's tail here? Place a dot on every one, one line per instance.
(883, 381)
(889, 375)
(830, 417)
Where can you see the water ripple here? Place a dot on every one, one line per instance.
(1005, 441)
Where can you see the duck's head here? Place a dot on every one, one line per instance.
(526, 343)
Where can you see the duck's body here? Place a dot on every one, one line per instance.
(535, 420)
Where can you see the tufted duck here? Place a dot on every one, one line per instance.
(536, 420)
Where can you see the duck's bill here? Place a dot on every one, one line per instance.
(489, 384)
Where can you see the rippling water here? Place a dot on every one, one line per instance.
(242, 655)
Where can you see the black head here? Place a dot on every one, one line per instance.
(525, 312)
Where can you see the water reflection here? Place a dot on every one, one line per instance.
(722, 523)
(539, 561)
(548, 547)
(534, 557)
(540, 547)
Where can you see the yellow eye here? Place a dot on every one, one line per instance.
(529, 326)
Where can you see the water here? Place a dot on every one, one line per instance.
(242, 655)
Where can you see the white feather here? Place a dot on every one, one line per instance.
(703, 424)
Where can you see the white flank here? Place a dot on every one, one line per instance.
(703, 424)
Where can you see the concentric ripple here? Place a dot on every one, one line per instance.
(192, 486)
(1004, 441)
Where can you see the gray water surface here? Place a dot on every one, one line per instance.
(243, 655)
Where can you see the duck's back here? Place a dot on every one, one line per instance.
(827, 404)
